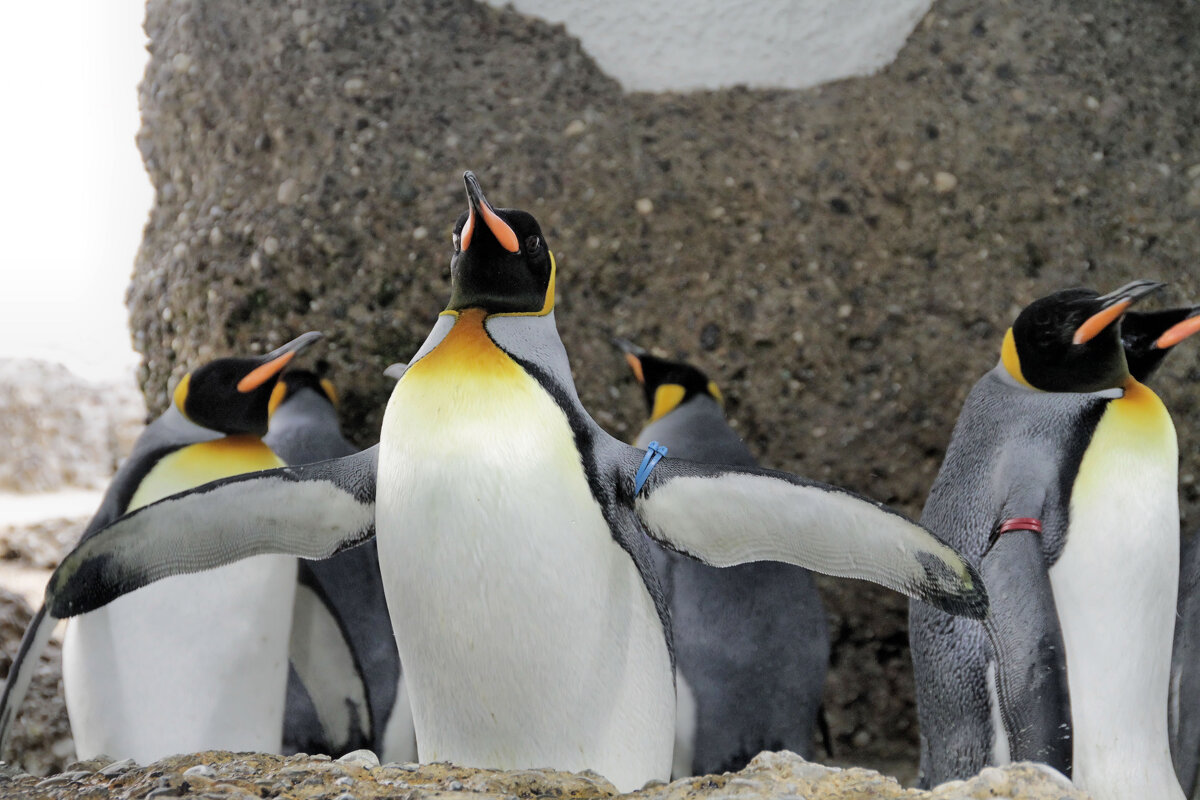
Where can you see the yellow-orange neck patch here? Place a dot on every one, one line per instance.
(466, 349)
(1012, 363)
(666, 399)
(181, 393)
(715, 391)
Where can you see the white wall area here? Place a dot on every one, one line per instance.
(662, 45)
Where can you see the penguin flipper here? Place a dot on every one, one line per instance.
(1026, 638)
(20, 672)
(331, 675)
(724, 516)
(312, 511)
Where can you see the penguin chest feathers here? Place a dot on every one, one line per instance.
(1115, 587)
(527, 634)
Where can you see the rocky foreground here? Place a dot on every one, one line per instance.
(360, 775)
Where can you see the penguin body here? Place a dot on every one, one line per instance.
(528, 616)
(1070, 667)
(196, 661)
(751, 641)
(336, 701)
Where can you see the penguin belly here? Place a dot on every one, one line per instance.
(527, 634)
(1115, 586)
(193, 662)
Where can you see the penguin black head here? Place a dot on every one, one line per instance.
(1070, 341)
(667, 384)
(296, 381)
(501, 262)
(233, 395)
(1148, 337)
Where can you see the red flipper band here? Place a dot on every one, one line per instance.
(1021, 524)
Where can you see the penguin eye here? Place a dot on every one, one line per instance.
(532, 243)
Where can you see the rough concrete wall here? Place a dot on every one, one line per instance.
(842, 260)
(661, 45)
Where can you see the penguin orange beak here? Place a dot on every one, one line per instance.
(1179, 331)
(633, 357)
(1112, 306)
(480, 208)
(275, 361)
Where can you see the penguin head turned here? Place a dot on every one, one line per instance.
(1070, 341)
(294, 381)
(501, 263)
(233, 395)
(1148, 337)
(667, 384)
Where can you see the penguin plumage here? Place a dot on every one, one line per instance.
(528, 616)
(1059, 482)
(751, 641)
(129, 703)
(336, 702)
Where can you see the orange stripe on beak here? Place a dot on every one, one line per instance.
(465, 240)
(1099, 321)
(1178, 332)
(635, 364)
(263, 373)
(499, 228)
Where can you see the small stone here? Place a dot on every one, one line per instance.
(844, 311)
(574, 128)
(181, 62)
(455, 786)
(345, 780)
(361, 758)
(944, 182)
(199, 771)
(289, 192)
(118, 768)
(345, 796)
(270, 245)
(1091, 102)
(902, 165)
(354, 87)
(215, 237)
(420, 232)
(644, 206)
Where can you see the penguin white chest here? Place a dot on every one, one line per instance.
(1115, 589)
(192, 662)
(527, 635)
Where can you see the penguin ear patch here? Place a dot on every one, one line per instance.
(181, 393)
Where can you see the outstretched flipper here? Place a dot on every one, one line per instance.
(312, 511)
(20, 672)
(730, 515)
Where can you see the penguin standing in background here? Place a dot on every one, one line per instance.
(339, 699)
(196, 662)
(528, 616)
(1060, 482)
(751, 641)
(1148, 339)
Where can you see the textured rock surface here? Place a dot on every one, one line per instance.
(60, 430)
(218, 774)
(843, 260)
(42, 735)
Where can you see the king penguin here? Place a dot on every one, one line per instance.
(751, 641)
(1060, 483)
(527, 613)
(339, 698)
(198, 661)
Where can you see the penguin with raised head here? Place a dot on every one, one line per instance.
(339, 698)
(1149, 336)
(751, 641)
(198, 661)
(529, 619)
(1060, 483)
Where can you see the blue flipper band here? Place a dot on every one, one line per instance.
(654, 454)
